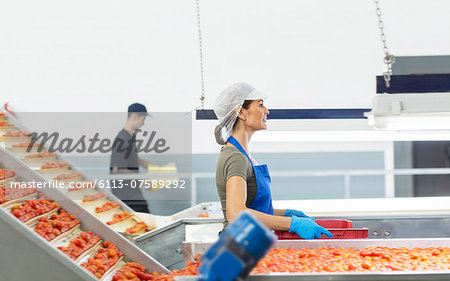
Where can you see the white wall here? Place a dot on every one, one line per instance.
(102, 55)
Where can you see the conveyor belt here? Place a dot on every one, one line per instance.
(193, 248)
(393, 276)
(22, 248)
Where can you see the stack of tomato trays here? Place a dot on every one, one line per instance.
(8, 129)
(81, 191)
(63, 231)
(97, 203)
(9, 194)
(84, 193)
(20, 143)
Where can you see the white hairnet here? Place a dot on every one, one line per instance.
(227, 106)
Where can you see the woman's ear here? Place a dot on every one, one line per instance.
(242, 114)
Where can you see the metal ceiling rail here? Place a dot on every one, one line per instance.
(334, 113)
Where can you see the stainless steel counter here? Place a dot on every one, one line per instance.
(165, 243)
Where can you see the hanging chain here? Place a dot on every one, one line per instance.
(202, 97)
(389, 59)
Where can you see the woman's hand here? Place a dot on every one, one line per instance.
(300, 214)
(307, 228)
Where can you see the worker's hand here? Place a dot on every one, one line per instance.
(300, 214)
(152, 166)
(307, 228)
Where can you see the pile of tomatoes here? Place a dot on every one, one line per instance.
(106, 207)
(17, 134)
(345, 260)
(67, 176)
(32, 208)
(4, 174)
(104, 259)
(132, 271)
(119, 217)
(327, 260)
(27, 144)
(136, 272)
(43, 154)
(9, 194)
(80, 244)
(190, 269)
(137, 227)
(93, 197)
(55, 225)
(81, 185)
(54, 165)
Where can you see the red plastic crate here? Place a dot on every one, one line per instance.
(335, 223)
(338, 233)
(341, 229)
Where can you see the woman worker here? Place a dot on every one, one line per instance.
(242, 184)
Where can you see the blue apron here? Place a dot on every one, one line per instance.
(263, 198)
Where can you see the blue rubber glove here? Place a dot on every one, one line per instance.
(307, 228)
(300, 214)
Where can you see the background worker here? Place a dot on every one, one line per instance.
(125, 160)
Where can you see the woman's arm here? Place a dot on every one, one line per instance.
(279, 212)
(237, 195)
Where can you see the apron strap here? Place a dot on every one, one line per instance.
(236, 144)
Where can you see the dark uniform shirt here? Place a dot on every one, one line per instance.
(124, 154)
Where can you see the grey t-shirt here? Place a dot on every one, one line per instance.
(124, 154)
(231, 163)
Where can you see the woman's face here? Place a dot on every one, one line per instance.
(256, 115)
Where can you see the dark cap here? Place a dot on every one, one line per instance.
(138, 108)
